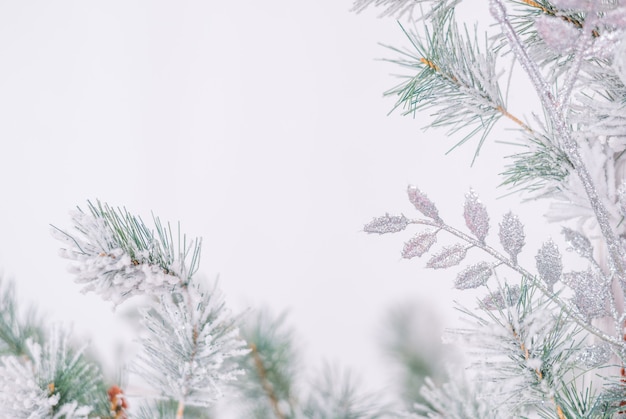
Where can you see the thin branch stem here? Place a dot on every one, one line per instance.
(267, 387)
(180, 410)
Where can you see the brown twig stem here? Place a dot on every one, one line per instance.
(267, 387)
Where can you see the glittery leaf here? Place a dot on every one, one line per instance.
(448, 256)
(422, 203)
(594, 356)
(580, 244)
(419, 244)
(549, 264)
(473, 276)
(590, 293)
(500, 300)
(476, 217)
(386, 224)
(512, 235)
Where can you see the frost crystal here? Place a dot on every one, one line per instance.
(591, 296)
(512, 235)
(419, 244)
(473, 276)
(476, 217)
(448, 256)
(549, 264)
(422, 203)
(386, 224)
(580, 244)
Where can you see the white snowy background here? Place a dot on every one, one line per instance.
(261, 127)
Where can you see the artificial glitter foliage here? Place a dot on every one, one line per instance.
(512, 235)
(419, 244)
(448, 256)
(473, 276)
(595, 355)
(591, 295)
(476, 218)
(578, 242)
(549, 264)
(386, 224)
(422, 203)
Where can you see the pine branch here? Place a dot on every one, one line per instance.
(454, 77)
(528, 349)
(15, 332)
(117, 255)
(400, 8)
(267, 387)
(51, 380)
(411, 342)
(335, 395)
(187, 352)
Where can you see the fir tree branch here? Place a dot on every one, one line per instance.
(15, 332)
(117, 255)
(453, 76)
(191, 342)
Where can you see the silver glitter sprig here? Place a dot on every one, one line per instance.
(579, 243)
(476, 217)
(448, 256)
(386, 224)
(422, 203)
(591, 296)
(512, 235)
(473, 276)
(594, 356)
(419, 244)
(549, 263)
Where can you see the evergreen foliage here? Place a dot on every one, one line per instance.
(549, 343)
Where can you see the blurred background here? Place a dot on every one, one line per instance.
(262, 128)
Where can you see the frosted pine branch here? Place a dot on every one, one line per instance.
(52, 380)
(117, 256)
(189, 348)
